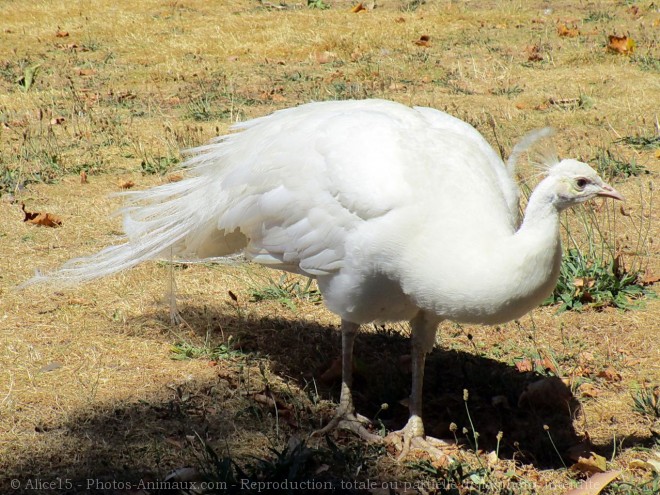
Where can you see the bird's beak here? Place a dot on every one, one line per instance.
(609, 192)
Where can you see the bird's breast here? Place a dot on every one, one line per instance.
(363, 298)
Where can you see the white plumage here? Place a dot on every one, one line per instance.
(400, 213)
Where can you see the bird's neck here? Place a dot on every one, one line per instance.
(535, 250)
(499, 279)
(541, 215)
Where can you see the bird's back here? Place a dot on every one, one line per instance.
(299, 182)
(304, 188)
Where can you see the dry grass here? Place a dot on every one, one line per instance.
(88, 386)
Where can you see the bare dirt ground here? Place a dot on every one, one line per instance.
(99, 392)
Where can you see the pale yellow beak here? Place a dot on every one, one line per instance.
(609, 192)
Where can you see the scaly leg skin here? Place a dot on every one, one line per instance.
(412, 435)
(345, 417)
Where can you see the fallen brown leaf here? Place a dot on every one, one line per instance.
(534, 53)
(595, 484)
(41, 219)
(525, 365)
(589, 465)
(650, 465)
(620, 44)
(610, 374)
(424, 40)
(588, 390)
(358, 8)
(582, 449)
(567, 32)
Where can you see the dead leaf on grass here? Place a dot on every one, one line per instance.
(610, 374)
(358, 8)
(424, 40)
(589, 465)
(42, 219)
(567, 32)
(534, 53)
(595, 484)
(582, 449)
(588, 390)
(525, 365)
(650, 465)
(620, 44)
(581, 282)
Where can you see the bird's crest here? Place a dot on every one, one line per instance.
(544, 156)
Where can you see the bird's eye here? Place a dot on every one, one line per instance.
(581, 183)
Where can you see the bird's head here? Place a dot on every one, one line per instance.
(577, 182)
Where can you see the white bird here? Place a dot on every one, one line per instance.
(399, 213)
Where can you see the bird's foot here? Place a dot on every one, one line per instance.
(412, 437)
(347, 419)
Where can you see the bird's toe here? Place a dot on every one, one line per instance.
(411, 438)
(349, 420)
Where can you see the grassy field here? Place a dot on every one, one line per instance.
(99, 392)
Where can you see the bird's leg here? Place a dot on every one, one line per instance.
(412, 435)
(345, 416)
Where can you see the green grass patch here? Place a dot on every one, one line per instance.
(590, 281)
(186, 350)
(286, 290)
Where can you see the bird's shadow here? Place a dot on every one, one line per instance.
(536, 428)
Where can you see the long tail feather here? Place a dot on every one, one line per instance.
(157, 222)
